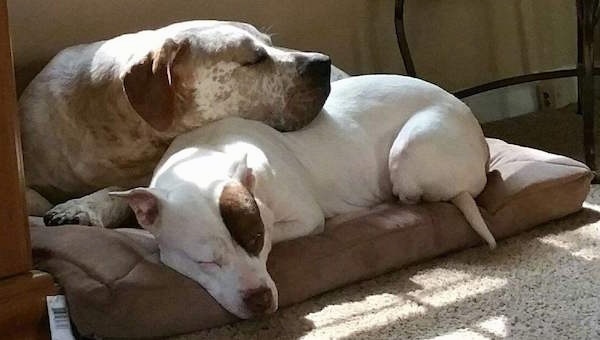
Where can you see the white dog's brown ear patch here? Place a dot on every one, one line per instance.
(241, 215)
(149, 85)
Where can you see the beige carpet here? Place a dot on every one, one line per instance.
(544, 284)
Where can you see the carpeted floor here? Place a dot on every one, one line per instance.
(544, 284)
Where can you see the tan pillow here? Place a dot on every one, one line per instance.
(116, 287)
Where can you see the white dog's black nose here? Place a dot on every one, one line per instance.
(314, 65)
(259, 301)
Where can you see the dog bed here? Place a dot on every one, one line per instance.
(116, 287)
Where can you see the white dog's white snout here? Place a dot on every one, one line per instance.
(257, 290)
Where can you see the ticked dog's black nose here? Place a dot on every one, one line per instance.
(314, 65)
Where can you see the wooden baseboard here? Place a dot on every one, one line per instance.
(23, 312)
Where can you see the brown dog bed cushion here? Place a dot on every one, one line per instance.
(116, 287)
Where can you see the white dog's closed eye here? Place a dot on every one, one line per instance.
(209, 257)
(210, 266)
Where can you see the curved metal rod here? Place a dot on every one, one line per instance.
(516, 80)
(471, 91)
(401, 39)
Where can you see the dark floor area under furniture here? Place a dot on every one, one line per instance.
(557, 131)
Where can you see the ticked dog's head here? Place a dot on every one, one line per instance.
(201, 71)
(211, 228)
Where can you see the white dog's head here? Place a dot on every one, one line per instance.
(201, 71)
(213, 230)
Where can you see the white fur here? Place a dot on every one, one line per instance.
(340, 163)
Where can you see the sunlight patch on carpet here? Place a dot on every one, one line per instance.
(438, 292)
(496, 326)
(491, 328)
(437, 288)
(462, 334)
(583, 243)
(373, 311)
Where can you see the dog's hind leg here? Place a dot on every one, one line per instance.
(97, 209)
(444, 158)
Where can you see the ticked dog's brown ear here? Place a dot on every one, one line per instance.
(149, 84)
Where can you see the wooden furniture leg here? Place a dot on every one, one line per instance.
(22, 291)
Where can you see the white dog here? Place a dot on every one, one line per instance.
(224, 193)
(103, 114)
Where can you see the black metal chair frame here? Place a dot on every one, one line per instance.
(588, 14)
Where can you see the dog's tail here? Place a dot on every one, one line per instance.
(466, 204)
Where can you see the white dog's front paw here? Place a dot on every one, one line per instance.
(70, 212)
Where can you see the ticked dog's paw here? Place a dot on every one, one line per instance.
(69, 213)
(96, 209)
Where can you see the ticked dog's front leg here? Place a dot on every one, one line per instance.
(96, 209)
